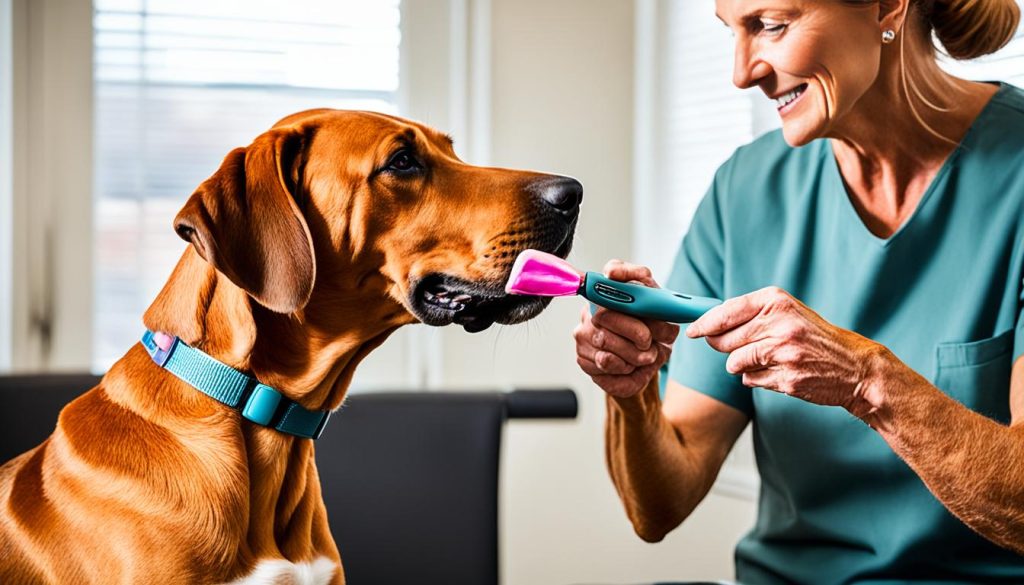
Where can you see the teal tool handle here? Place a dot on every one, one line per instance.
(643, 301)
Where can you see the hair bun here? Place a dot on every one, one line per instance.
(972, 28)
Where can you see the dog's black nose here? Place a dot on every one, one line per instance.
(563, 193)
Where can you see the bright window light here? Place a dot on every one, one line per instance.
(178, 84)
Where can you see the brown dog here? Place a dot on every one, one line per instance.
(309, 247)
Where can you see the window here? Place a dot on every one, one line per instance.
(697, 119)
(178, 84)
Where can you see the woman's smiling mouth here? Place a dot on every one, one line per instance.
(786, 101)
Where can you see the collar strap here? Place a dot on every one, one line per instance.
(257, 402)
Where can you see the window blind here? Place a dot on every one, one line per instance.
(178, 84)
(699, 118)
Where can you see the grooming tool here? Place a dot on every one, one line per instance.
(541, 274)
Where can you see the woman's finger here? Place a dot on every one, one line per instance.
(640, 332)
(631, 328)
(592, 340)
(754, 356)
(626, 272)
(730, 340)
(730, 314)
(604, 363)
(764, 378)
(662, 332)
(738, 310)
(605, 340)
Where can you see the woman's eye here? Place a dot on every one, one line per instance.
(772, 28)
(402, 161)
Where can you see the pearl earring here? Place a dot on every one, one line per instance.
(888, 35)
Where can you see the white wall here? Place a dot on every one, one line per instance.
(562, 101)
(52, 177)
(6, 205)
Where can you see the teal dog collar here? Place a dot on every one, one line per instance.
(257, 402)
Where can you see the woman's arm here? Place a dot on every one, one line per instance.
(663, 458)
(973, 465)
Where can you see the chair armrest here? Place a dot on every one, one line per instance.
(544, 403)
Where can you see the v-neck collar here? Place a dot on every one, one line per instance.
(832, 168)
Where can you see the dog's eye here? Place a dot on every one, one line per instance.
(402, 162)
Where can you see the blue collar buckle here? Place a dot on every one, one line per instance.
(257, 402)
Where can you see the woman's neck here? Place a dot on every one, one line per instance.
(888, 156)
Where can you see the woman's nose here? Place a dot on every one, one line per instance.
(748, 68)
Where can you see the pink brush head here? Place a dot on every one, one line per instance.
(541, 274)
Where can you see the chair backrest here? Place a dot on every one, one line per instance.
(410, 482)
(410, 479)
(30, 404)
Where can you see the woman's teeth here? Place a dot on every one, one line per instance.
(784, 100)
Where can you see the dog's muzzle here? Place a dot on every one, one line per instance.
(441, 298)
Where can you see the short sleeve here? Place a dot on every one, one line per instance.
(1018, 328)
(1018, 335)
(699, 270)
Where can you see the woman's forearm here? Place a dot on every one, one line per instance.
(973, 465)
(659, 482)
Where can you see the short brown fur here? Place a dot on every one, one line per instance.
(304, 258)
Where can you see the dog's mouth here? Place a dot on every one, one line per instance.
(442, 299)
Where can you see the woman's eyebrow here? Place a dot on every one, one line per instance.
(746, 19)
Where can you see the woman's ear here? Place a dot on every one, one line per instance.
(892, 14)
(245, 220)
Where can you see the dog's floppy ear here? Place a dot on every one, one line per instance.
(246, 222)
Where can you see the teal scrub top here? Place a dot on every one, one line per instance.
(943, 293)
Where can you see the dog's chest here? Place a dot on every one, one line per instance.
(282, 572)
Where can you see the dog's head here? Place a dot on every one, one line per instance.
(329, 201)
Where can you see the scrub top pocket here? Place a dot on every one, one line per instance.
(977, 374)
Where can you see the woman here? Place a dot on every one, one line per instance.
(891, 204)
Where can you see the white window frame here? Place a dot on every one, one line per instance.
(50, 248)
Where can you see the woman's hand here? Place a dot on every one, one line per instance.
(619, 352)
(776, 342)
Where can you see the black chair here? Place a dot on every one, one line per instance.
(410, 479)
(30, 405)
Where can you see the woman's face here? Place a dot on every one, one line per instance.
(814, 58)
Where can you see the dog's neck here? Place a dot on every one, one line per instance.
(309, 356)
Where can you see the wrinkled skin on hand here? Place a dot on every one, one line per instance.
(621, 353)
(777, 342)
